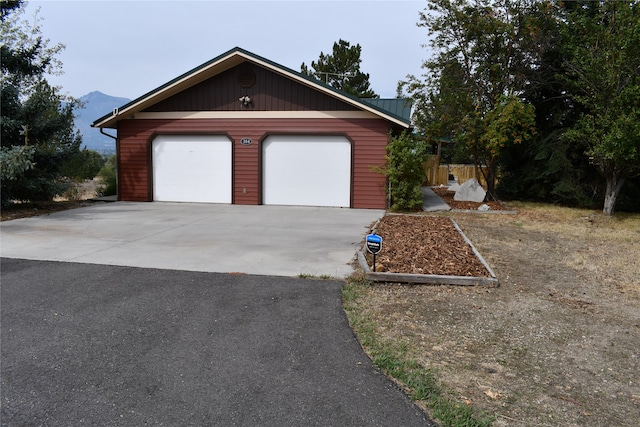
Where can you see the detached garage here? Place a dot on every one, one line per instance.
(241, 129)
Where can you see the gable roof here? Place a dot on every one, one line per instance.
(397, 111)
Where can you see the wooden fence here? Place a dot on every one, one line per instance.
(437, 174)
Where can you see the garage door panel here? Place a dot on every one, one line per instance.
(189, 168)
(307, 170)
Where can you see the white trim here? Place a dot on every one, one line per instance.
(176, 115)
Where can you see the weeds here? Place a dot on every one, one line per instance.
(313, 276)
(420, 383)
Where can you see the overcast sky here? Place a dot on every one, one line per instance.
(127, 48)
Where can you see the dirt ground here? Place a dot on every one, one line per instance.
(556, 344)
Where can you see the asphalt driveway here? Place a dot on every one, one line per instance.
(86, 344)
(265, 240)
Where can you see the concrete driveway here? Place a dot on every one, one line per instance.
(264, 240)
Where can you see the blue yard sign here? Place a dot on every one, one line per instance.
(374, 245)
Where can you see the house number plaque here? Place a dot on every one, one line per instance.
(246, 141)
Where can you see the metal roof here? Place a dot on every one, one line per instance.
(397, 106)
(389, 109)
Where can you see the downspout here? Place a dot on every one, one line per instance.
(106, 134)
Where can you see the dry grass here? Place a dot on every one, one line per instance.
(556, 344)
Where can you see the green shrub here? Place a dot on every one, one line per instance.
(108, 176)
(39, 182)
(405, 171)
(85, 164)
(14, 163)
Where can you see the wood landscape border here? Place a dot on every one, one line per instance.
(434, 279)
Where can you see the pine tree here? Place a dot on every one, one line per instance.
(34, 113)
(341, 70)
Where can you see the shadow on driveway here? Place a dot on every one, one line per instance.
(121, 346)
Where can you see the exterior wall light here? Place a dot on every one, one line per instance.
(245, 100)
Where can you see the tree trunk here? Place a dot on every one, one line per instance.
(614, 185)
(489, 178)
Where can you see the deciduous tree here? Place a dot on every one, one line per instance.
(548, 167)
(478, 61)
(602, 40)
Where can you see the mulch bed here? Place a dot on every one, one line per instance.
(455, 204)
(425, 245)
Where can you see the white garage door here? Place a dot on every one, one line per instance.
(192, 168)
(307, 170)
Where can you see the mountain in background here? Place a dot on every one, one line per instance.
(95, 105)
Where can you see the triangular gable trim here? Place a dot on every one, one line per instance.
(227, 61)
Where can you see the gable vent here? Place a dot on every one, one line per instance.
(246, 78)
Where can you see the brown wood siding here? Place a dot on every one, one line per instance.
(271, 92)
(133, 166)
(369, 138)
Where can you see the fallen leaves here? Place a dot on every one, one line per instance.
(492, 394)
